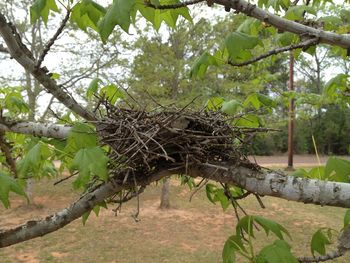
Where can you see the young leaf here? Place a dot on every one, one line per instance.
(112, 93)
(214, 103)
(269, 225)
(246, 224)
(7, 184)
(233, 243)
(87, 13)
(319, 241)
(210, 190)
(249, 120)
(278, 252)
(41, 8)
(238, 45)
(89, 162)
(119, 13)
(202, 63)
(93, 87)
(297, 12)
(81, 136)
(231, 107)
(338, 169)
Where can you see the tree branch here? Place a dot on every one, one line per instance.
(341, 40)
(174, 6)
(278, 185)
(5, 148)
(53, 39)
(287, 25)
(304, 44)
(24, 57)
(36, 129)
(37, 228)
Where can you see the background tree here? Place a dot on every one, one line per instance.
(139, 147)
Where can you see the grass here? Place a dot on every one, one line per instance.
(187, 233)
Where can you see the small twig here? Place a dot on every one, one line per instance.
(260, 201)
(199, 187)
(65, 178)
(53, 39)
(136, 215)
(3, 49)
(305, 44)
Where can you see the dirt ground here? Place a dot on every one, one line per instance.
(189, 232)
(306, 160)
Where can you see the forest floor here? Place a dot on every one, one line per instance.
(189, 232)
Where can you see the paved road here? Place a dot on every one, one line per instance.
(299, 160)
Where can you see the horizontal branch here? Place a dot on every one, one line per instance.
(304, 44)
(278, 185)
(37, 129)
(25, 58)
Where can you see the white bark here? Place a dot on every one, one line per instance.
(37, 129)
(278, 185)
(287, 25)
(23, 56)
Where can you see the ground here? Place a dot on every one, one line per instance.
(189, 232)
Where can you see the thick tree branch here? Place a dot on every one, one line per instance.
(341, 40)
(24, 57)
(304, 44)
(5, 148)
(278, 185)
(252, 180)
(287, 25)
(37, 228)
(36, 129)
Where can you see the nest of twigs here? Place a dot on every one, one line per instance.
(143, 141)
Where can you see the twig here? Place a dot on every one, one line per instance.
(304, 45)
(65, 178)
(53, 39)
(3, 49)
(199, 187)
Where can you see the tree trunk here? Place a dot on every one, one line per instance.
(164, 197)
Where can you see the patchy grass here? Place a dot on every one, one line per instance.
(189, 232)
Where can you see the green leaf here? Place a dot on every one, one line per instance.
(210, 190)
(287, 38)
(81, 136)
(245, 224)
(238, 45)
(347, 218)
(214, 103)
(338, 169)
(269, 225)
(14, 102)
(34, 160)
(231, 107)
(339, 82)
(233, 243)
(319, 241)
(202, 63)
(89, 162)
(112, 93)
(7, 184)
(297, 12)
(41, 8)
(278, 252)
(93, 88)
(118, 14)
(87, 13)
(55, 76)
(248, 120)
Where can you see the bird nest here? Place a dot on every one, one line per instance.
(141, 141)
